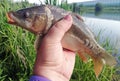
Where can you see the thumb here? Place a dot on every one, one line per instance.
(58, 30)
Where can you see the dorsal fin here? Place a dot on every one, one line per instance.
(78, 17)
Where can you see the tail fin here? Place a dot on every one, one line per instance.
(109, 59)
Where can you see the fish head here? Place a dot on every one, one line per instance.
(33, 19)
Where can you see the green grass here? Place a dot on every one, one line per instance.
(17, 52)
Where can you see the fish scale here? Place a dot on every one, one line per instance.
(78, 38)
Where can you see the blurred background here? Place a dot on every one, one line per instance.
(17, 52)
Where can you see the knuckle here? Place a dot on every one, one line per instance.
(61, 26)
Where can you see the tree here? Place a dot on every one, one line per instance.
(52, 2)
(98, 8)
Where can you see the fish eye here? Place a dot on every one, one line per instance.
(27, 14)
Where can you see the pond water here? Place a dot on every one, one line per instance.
(104, 15)
(109, 29)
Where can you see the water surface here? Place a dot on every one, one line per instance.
(107, 15)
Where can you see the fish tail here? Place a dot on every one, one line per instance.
(108, 59)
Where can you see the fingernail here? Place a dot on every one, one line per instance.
(67, 17)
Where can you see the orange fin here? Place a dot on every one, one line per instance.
(83, 56)
(98, 65)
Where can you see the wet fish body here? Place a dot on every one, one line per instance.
(78, 38)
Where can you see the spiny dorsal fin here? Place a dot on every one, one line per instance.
(78, 17)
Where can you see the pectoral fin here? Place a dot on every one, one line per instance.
(38, 41)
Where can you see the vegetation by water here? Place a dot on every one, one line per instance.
(17, 52)
(97, 8)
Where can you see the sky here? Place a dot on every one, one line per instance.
(38, 1)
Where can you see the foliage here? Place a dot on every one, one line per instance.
(82, 9)
(64, 4)
(52, 2)
(16, 48)
(98, 8)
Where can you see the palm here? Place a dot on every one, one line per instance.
(52, 59)
(53, 55)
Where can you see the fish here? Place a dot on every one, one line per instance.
(79, 38)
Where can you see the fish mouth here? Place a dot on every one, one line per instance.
(10, 18)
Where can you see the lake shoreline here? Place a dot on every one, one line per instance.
(110, 16)
(88, 17)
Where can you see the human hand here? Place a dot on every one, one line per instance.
(52, 61)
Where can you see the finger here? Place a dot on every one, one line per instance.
(58, 30)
